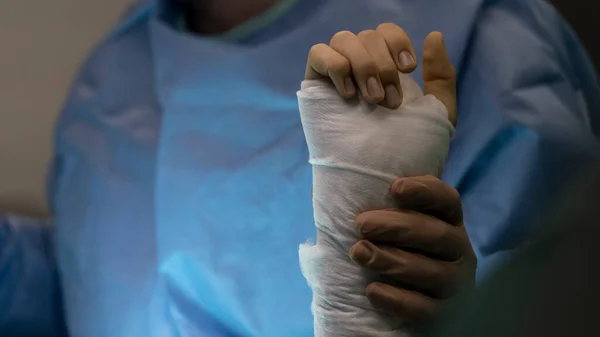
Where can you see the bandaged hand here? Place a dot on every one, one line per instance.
(366, 124)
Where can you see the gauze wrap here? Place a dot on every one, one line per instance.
(356, 151)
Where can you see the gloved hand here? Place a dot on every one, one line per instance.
(422, 247)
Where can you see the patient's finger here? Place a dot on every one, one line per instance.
(439, 76)
(325, 62)
(376, 46)
(400, 46)
(364, 69)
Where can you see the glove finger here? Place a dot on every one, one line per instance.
(418, 272)
(409, 306)
(430, 195)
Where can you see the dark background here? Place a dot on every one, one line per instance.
(584, 17)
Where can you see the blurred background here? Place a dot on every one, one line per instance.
(43, 44)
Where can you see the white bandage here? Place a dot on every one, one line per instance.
(357, 150)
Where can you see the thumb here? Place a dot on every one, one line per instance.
(439, 76)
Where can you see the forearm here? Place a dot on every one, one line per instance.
(30, 299)
(352, 173)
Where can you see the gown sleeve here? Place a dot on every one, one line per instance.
(528, 124)
(30, 299)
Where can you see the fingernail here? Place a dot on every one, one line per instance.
(392, 96)
(374, 87)
(396, 185)
(359, 221)
(408, 192)
(361, 253)
(406, 60)
(349, 86)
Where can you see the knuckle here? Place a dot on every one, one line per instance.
(339, 37)
(394, 35)
(366, 67)
(387, 70)
(367, 34)
(315, 50)
(340, 66)
(400, 41)
(387, 26)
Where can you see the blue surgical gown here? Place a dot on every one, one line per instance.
(180, 186)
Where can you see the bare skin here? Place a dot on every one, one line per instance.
(213, 17)
(371, 60)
